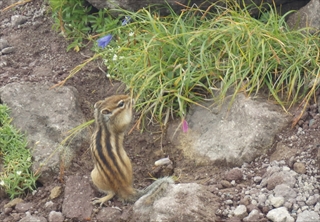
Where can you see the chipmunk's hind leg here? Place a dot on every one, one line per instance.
(104, 199)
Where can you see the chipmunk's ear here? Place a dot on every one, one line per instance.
(97, 104)
(106, 112)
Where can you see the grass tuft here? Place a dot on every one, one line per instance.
(16, 178)
(170, 62)
(173, 61)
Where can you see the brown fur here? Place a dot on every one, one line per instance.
(112, 171)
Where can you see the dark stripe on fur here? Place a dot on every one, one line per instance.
(112, 155)
(101, 157)
(120, 157)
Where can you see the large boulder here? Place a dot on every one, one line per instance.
(237, 132)
(182, 202)
(307, 16)
(134, 5)
(45, 116)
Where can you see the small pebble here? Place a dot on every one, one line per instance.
(299, 167)
(225, 184)
(257, 179)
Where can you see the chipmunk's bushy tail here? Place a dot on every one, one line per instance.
(154, 191)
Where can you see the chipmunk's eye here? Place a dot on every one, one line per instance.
(120, 103)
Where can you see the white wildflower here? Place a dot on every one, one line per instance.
(115, 57)
(1, 183)
(19, 172)
(131, 34)
(121, 57)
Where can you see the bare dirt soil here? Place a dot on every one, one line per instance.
(40, 55)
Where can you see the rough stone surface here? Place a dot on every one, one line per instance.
(282, 152)
(253, 216)
(307, 16)
(225, 184)
(284, 191)
(45, 116)
(23, 207)
(77, 198)
(108, 214)
(182, 202)
(3, 44)
(55, 217)
(29, 218)
(240, 211)
(234, 174)
(284, 5)
(274, 176)
(299, 167)
(308, 216)
(239, 135)
(280, 214)
(277, 201)
(18, 20)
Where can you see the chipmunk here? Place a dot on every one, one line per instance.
(112, 173)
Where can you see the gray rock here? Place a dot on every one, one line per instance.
(282, 152)
(317, 207)
(312, 200)
(181, 202)
(77, 198)
(108, 214)
(280, 214)
(29, 218)
(8, 50)
(277, 201)
(299, 167)
(288, 205)
(3, 44)
(229, 135)
(285, 191)
(225, 184)
(240, 211)
(257, 179)
(301, 198)
(45, 116)
(23, 207)
(262, 199)
(55, 217)
(134, 5)
(18, 20)
(274, 176)
(228, 202)
(234, 174)
(308, 216)
(307, 16)
(253, 216)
